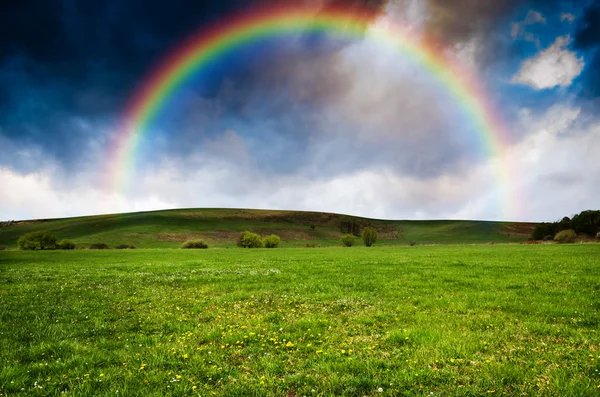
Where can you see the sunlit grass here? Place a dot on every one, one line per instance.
(456, 320)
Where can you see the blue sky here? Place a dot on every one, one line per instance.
(301, 122)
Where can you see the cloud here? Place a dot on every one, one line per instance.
(519, 29)
(39, 195)
(565, 16)
(552, 67)
(555, 171)
(557, 164)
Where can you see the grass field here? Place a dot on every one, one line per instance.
(221, 227)
(454, 320)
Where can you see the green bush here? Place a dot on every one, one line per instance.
(369, 236)
(125, 247)
(348, 240)
(194, 244)
(598, 236)
(66, 245)
(271, 241)
(565, 237)
(98, 246)
(40, 240)
(249, 240)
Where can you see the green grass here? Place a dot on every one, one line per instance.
(453, 320)
(220, 228)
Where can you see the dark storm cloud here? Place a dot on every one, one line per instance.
(69, 59)
(587, 39)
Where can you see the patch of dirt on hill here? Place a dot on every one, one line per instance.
(518, 229)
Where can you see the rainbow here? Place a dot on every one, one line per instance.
(211, 44)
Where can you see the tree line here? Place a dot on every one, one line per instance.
(586, 223)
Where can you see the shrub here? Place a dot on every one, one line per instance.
(194, 244)
(124, 247)
(348, 240)
(271, 241)
(369, 236)
(41, 240)
(565, 237)
(249, 240)
(98, 246)
(2, 248)
(598, 236)
(548, 238)
(66, 245)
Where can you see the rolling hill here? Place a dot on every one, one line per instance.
(221, 227)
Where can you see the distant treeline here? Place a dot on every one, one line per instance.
(587, 223)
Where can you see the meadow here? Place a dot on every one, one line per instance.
(449, 320)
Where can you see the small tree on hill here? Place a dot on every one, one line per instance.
(249, 240)
(565, 237)
(348, 240)
(369, 236)
(271, 241)
(40, 240)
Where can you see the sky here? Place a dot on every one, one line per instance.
(302, 121)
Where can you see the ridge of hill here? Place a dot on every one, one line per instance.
(221, 227)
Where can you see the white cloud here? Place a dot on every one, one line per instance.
(43, 195)
(557, 164)
(555, 66)
(555, 173)
(565, 16)
(519, 29)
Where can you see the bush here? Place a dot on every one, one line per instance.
(249, 240)
(565, 237)
(125, 247)
(271, 241)
(194, 244)
(2, 248)
(369, 236)
(348, 240)
(548, 238)
(66, 245)
(598, 236)
(98, 246)
(41, 240)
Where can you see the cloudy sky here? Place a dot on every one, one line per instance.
(302, 121)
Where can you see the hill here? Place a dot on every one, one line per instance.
(221, 227)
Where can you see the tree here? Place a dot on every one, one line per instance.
(566, 237)
(41, 240)
(349, 226)
(544, 229)
(587, 222)
(348, 240)
(369, 236)
(249, 240)
(271, 241)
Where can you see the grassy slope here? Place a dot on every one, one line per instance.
(167, 229)
(449, 320)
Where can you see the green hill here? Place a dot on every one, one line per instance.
(221, 227)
